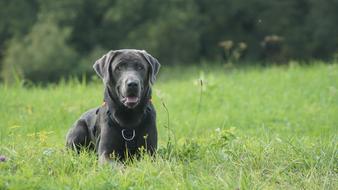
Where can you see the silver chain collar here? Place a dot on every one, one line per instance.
(126, 138)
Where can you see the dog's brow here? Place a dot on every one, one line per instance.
(120, 63)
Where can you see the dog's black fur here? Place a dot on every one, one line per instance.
(127, 110)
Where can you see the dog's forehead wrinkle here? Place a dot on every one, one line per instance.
(130, 56)
(130, 60)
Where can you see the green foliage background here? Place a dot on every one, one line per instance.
(62, 38)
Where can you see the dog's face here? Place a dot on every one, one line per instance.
(128, 73)
(130, 76)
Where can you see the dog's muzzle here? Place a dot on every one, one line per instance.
(131, 93)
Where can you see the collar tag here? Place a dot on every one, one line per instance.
(126, 136)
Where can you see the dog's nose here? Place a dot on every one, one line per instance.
(132, 84)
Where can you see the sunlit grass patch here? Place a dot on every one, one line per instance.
(252, 128)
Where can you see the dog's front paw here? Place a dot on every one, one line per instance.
(106, 160)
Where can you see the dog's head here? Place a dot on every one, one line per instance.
(128, 73)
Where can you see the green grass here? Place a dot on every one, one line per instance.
(251, 128)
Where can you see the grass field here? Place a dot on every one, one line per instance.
(248, 128)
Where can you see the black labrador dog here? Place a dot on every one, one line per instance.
(126, 121)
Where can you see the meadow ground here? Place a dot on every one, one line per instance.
(249, 128)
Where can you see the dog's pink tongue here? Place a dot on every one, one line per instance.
(131, 99)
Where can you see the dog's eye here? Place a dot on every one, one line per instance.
(139, 67)
(118, 68)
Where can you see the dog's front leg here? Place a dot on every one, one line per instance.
(108, 145)
(104, 158)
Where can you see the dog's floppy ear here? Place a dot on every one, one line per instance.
(102, 65)
(154, 65)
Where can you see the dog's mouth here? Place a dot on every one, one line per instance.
(130, 101)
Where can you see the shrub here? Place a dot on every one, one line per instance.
(42, 55)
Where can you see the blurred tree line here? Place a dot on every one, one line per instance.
(44, 40)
